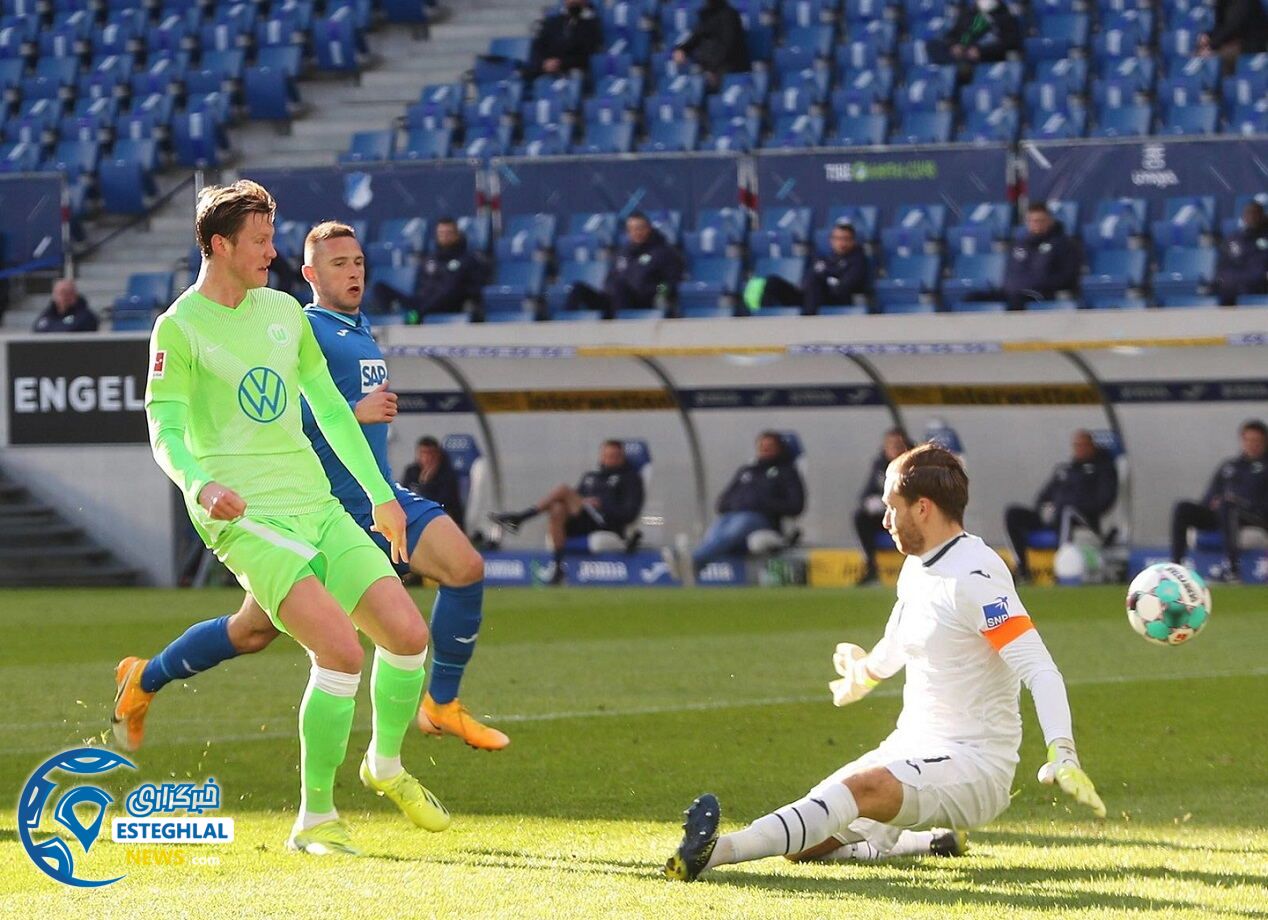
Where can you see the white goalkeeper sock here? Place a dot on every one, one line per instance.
(909, 843)
(790, 829)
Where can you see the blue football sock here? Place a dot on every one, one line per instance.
(201, 647)
(455, 623)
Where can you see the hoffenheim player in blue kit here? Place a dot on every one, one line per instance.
(335, 267)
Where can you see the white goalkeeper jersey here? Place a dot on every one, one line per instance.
(957, 606)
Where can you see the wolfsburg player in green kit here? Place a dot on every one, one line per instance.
(228, 363)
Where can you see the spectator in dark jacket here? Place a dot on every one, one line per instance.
(984, 32)
(432, 476)
(451, 276)
(718, 43)
(1241, 27)
(646, 266)
(833, 279)
(1236, 498)
(1080, 491)
(67, 311)
(566, 40)
(869, 519)
(1243, 263)
(760, 495)
(608, 498)
(1042, 264)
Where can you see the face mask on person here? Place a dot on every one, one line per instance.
(987, 6)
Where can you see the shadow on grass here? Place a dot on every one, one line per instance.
(919, 883)
(1047, 838)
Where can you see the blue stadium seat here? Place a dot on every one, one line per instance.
(797, 221)
(550, 111)
(921, 127)
(599, 138)
(1052, 306)
(907, 278)
(337, 43)
(592, 273)
(600, 224)
(21, 156)
(514, 283)
(545, 141)
(1112, 272)
(797, 131)
(859, 131)
(1184, 273)
(1069, 73)
(1056, 125)
(985, 97)
(816, 39)
(74, 158)
(125, 183)
(1172, 299)
(1118, 39)
(1059, 34)
(270, 93)
(1123, 121)
(995, 216)
(369, 146)
(907, 307)
(707, 281)
(566, 90)
(1007, 75)
(775, 244)
(391, 286)
(630, 88)
(671, 137)
(146, 292)
(1189, 119)
(538, 229)
(977, 306)
(1189, 221)
(973, 274)
(198, 139)
(422, 144)
(1117, 92)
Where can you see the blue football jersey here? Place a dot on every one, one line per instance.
(357, 367)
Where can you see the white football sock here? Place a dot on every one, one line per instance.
(909, 843)
(790, 829)
(309, 819)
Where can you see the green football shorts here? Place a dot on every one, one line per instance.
(270, 554)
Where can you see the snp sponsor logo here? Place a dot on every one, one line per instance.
(996, 613)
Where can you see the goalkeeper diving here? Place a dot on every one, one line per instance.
(967, 643)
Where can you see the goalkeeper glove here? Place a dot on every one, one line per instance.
(1063, 769)
(856, 682)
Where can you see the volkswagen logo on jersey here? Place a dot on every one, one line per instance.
(262, 394)
(53, 856)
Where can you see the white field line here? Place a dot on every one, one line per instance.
(159, 740)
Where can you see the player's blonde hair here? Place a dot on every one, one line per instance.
(326, 230)
(933, 472)
(223, 209)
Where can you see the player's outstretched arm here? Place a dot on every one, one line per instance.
(1030, 660)
(336, 420)
(861, 670)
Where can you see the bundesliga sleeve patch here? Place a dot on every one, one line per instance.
(160, 362)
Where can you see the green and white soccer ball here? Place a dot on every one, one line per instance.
(1168, 604)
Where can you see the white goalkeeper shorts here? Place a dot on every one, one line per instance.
(945, 785)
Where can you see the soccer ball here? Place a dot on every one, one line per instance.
(1168, 604)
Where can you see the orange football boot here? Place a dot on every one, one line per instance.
(453, 718)
(131, 703)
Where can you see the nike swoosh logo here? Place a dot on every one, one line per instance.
(467, 641)
(211, 348)
(980, 572)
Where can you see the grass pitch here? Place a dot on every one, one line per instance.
(621, 707)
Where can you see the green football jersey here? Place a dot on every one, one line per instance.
(223, 403)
